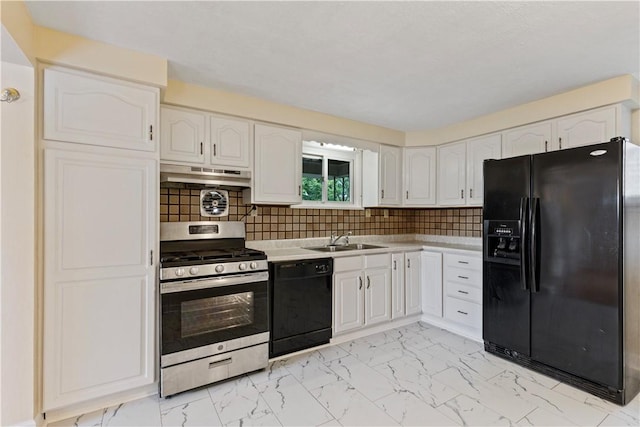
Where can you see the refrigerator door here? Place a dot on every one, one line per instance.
(575, 282)
(505, 311)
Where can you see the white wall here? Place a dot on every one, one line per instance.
(17, 248)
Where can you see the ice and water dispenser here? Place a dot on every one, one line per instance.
(503, 241)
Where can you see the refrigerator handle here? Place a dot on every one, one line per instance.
(524, 208)
(533, 230)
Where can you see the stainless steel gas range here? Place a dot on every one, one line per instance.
(214, 299)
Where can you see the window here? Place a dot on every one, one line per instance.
(328, 176)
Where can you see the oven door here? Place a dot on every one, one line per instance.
(212, 312)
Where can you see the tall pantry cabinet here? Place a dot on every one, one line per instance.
(99, 180)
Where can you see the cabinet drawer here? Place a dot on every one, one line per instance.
(348, 263)
(464, 312)
(463, 261)
(377, 260)
(468, 293)
(470, 277)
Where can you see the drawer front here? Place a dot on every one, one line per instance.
(350, 263)
(463, 261)
(377, 260)
(463, 312)
(460, 291)
(464, 276)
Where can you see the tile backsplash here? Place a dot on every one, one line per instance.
(180, 203)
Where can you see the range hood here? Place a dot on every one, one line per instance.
(207, 176)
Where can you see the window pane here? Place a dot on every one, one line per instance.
(339, 181)
(312, 178)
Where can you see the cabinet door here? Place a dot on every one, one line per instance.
(451, 174)
(431, 283)
(390, 175)
(413, 282)
(182, 135)
(530, 139)
(397, 286)
(96, 110)
(229, 142)
(278, 165)
(479, 150)
(377, 305)
(100, 220)
(592, 127)
(349, 304)
(420, 176)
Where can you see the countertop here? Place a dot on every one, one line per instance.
(294, 249)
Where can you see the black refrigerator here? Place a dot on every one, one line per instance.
(561, 265)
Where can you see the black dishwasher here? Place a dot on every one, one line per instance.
(301, 304)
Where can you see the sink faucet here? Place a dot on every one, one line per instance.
(334, 240)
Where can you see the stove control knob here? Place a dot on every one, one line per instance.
(193, 271)
(242, 266)
(179, 272)
(219, 268)
(253, 265)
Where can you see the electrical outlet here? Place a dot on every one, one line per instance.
(254, 212)
(385, 212)
(367, 213)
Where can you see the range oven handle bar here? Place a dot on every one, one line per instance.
(213, 282)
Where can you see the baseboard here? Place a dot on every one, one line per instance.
(100, 403)
(472, 334)
(381, 327)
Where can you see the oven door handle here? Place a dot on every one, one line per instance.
(215, 282)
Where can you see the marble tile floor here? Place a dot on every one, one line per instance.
(417, 375)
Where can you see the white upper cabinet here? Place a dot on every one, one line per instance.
(182, 135)
(277, 176)
(390, 175)
(451, 174)
(229, 142)
(531, 139)
(591, 127)
(96, 110)
(479, 150)
(419, 176)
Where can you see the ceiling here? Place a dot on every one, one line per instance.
(402, 65)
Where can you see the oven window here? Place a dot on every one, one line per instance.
(213, 314)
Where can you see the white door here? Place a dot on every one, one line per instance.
(229, 142)
(529, 139)
(451, 174)
(278, 165)
(479, 150)
(182, 135)
(97, 110)
(413, 282)
(587, 128)
(390, 175)
(431, 267)
(377, 305)
(397, 285)
(348, 309)
(100, 220)
(420, 176)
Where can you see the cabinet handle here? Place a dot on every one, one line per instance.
(201, 148)
(471, 193)
(463, 262)
(151, 258)
(220, 363)
(560, 141)
(368, 282)
(463, 292)
(546, 145)
(299, 191)
(463, 277)
(408, 263)
(394, 264)
(383, 194)
(214, 150)
(360, 280)
(407, 194)
(462, 312)
(462, 194)
(150, 132)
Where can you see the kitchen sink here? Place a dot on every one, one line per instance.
(342, 248)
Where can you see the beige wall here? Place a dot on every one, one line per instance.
(188, 95)
(615, 90)
(17, 245)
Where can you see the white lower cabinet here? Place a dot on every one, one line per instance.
(100, 222)
(397, 285)
(462, 284)
(412, 283)
(432, 283)
(362, 291)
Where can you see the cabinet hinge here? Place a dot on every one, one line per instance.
(150, 132)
